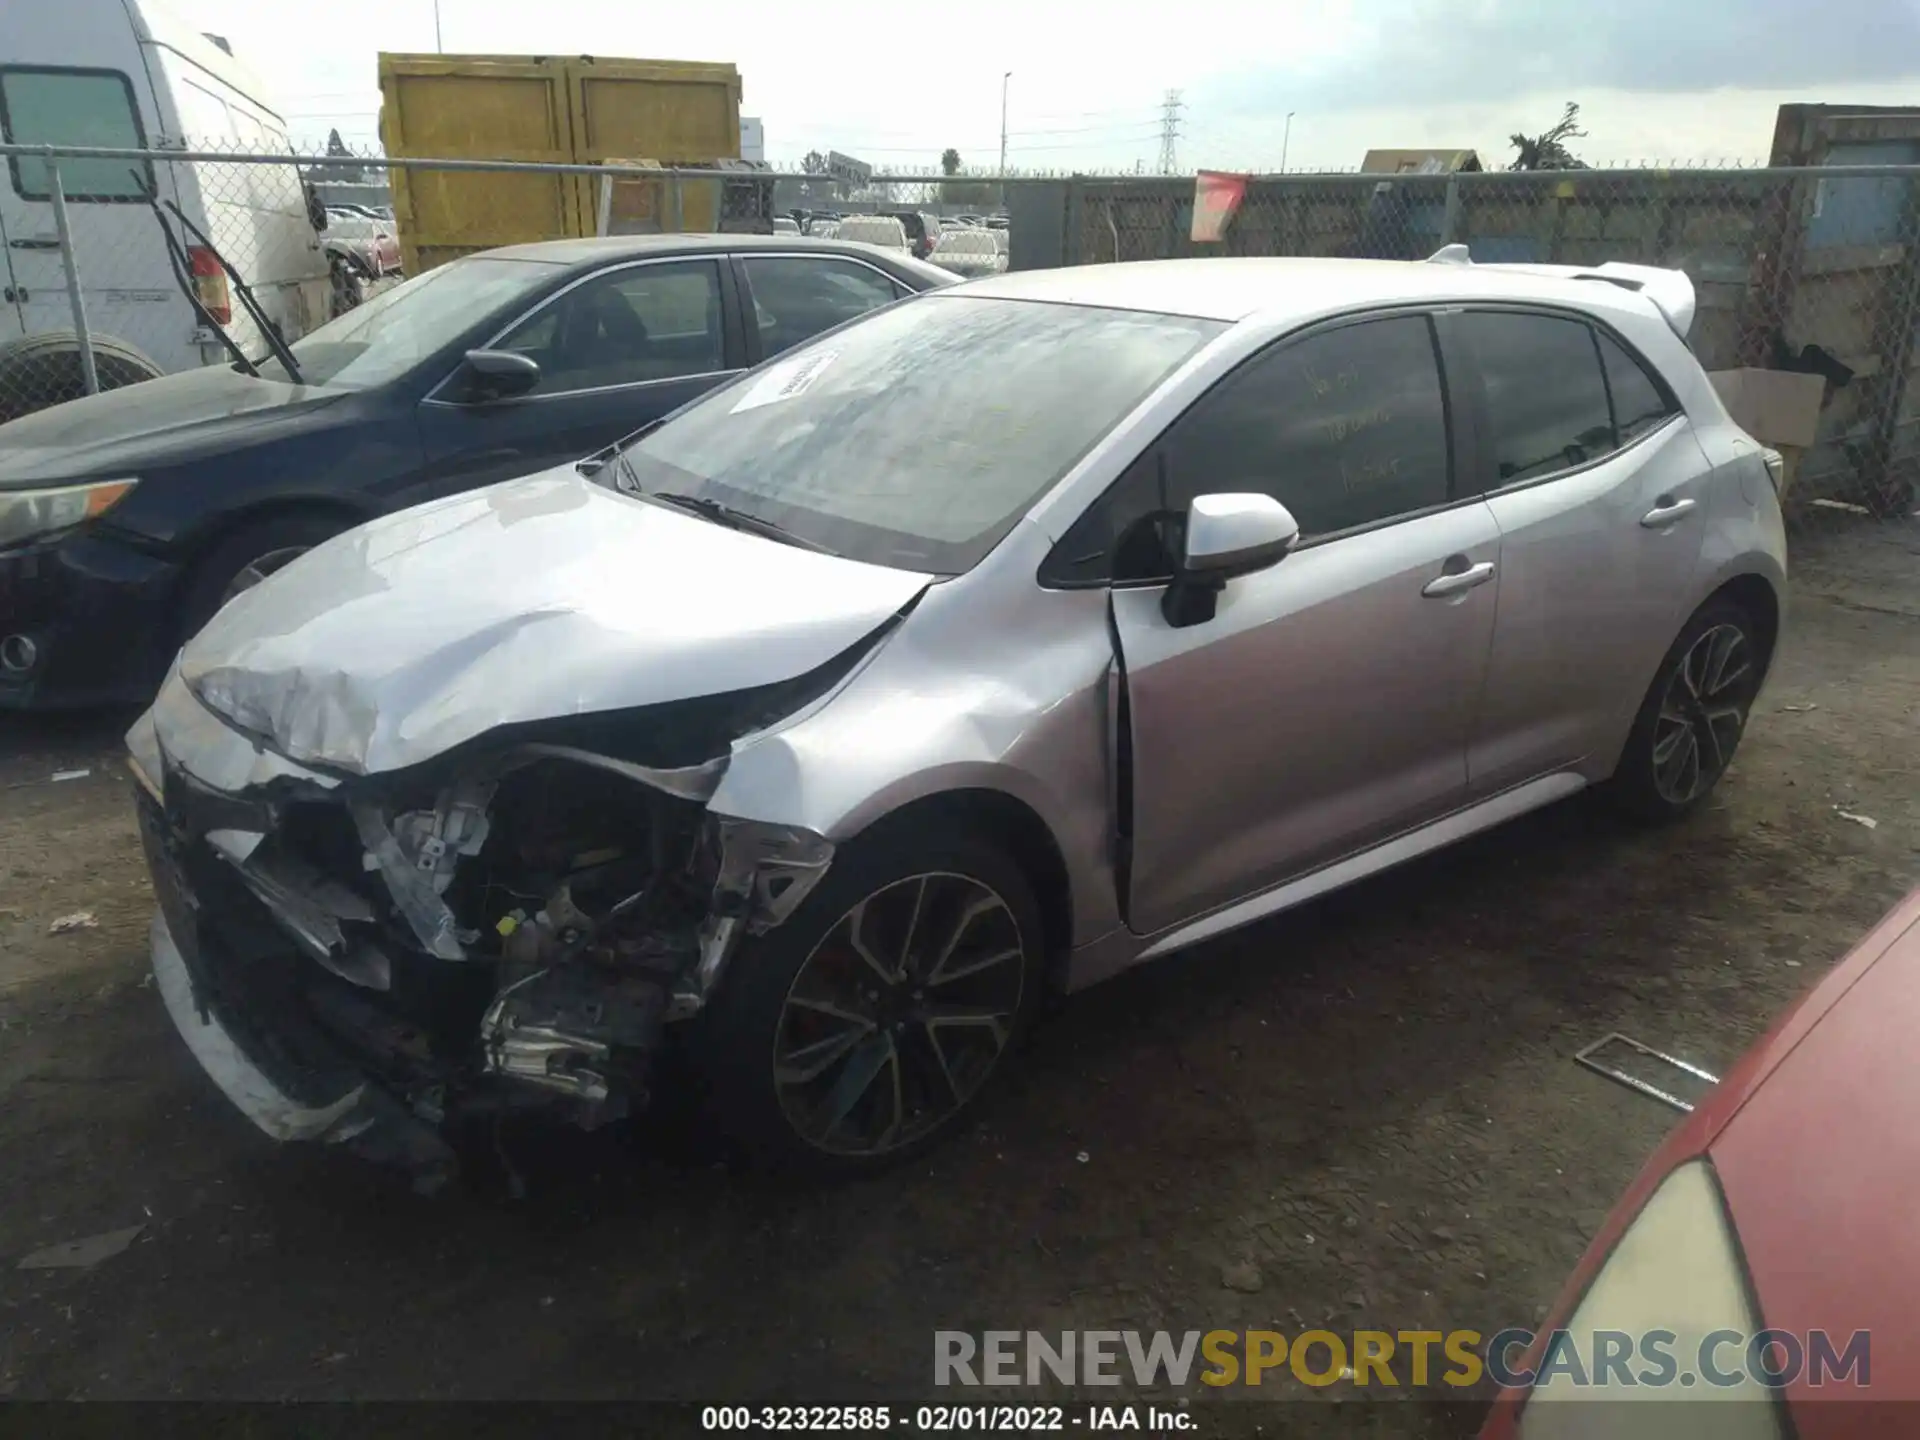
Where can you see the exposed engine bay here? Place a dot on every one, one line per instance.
(508, 927)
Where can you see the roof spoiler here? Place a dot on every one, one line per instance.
(1671, 291)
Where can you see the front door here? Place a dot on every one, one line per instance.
(615, 351)
(1327, 704)
(1598, 487)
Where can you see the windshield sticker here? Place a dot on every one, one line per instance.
(783, 382)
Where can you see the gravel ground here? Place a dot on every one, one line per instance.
(1364, 1113)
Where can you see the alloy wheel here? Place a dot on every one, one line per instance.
(1702, 714)
(260, 568)
(899, 1015)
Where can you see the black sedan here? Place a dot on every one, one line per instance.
(128, 518)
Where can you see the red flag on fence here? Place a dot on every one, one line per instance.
(1216, 195)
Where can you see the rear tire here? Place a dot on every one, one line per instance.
(246, 557)
(1693, 717)
(37, 371)
(874, 1022)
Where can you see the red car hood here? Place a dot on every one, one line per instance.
(1815, 1137)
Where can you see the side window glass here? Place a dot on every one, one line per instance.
(1345, 428)
(648, 322)
(1128, 535)
(1546, 402)
(1638, 403)
(47, 107)
(795, 299)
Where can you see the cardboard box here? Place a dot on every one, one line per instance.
(1776, 407)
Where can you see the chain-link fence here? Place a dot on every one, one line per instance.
(126, 264)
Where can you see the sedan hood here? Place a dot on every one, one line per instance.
(159, 421)
(540, 598)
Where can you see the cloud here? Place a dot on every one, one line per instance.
(1412, 52)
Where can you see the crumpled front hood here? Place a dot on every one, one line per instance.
(540, 598)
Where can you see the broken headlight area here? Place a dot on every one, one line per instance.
(503, 930)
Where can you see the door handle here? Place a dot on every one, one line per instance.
(1457, 582)
(33, 244)
(1665, 512)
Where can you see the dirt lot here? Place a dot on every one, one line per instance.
(1372, 1101)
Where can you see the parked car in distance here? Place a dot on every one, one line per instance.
(922, 230)
(824, 229)
(818, 680)
(126, 518)
(134, 74)
(969, 254)
(885, 231)
(1775, 1207)
(364, 241)
(785, 225)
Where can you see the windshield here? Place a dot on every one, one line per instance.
(917, 437)
(397, 329)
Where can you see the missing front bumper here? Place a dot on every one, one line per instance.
(360, 1115)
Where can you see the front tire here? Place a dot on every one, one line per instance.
(246, 557)
(1693, 716)
(873, 1022)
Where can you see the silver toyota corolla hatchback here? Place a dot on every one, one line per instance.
(993, 643)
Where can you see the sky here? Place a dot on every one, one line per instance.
(1656, 80)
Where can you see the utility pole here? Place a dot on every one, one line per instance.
(438, 48)
(1286, 139)
(1169, 131)
(1003, 138)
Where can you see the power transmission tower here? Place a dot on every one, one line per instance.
(1169, 131)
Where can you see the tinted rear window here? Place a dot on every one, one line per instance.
(1639, 404)
(1546, 401)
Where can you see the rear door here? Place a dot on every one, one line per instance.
(617, 349)
(788, 299)
(1598, 487)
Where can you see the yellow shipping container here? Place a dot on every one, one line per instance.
(582, 110)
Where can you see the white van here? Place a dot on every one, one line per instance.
(134, 74)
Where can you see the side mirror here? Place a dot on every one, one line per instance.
(500, 374)
(1227, 536)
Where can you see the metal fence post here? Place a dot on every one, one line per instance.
(65, 231)
(1893, 342)
(1450, 221)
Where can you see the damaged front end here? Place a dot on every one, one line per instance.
(510, 927)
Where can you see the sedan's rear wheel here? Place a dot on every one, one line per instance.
(1693, 716)
(872, 1022)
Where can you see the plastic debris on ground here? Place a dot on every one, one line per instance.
(79, 920)
(82, 1254)
(1866, 820)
